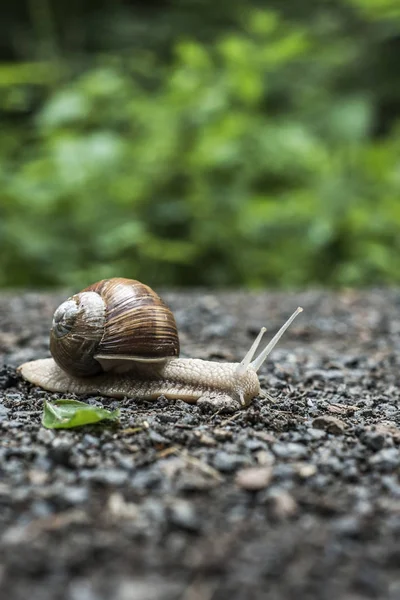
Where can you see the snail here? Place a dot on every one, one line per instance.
(118, 338)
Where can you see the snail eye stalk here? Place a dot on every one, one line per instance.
(241, 368)
(257, 363)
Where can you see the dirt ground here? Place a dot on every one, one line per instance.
(296, 497)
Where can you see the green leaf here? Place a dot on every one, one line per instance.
(65, 414)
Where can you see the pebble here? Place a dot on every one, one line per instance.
(157, 438)
(90, 440)
(45, 436)
(146, 588)
(330, 424)
(373, 440)
(81, 589)
(126, 462)
(145, 479)
(281, 504)
(204, 439)
(348, 526)
(222, 434)
(37, 477)
(3, 411)
(387, 459)
(305, 470)
(111, 476)
(254, 444)
(76, 494)
(60, 452)
(254, 478)
(264, 458)
(387, 429)
(316, 434)
(392, 484)
(120, 509)
(192, 482)
(41, 509)
(284, 471)
(154, 509)
(183, 515)
(289, 450)
(227, 463)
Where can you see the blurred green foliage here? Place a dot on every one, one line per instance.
(262, 148)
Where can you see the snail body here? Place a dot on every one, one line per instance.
(118, 338)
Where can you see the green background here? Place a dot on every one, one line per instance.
(225, 143)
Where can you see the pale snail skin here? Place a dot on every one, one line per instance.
(128, 346)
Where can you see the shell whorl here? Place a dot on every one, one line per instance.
(78, 326)
(129, 323)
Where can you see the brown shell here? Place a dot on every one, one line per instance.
(137, 322)
(78, 327)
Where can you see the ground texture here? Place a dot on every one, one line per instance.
(297, 496)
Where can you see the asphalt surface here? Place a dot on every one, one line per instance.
(296, 497)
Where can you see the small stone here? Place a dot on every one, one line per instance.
(204, 439)
(145, 588)
(75, 494)
(172, 466)
(81, 589)
(146, 479)
(289, 450)
(306, 470)
(60, 452)
(253, 445)
(37, 477)
(316, 434)
(284, 471)
(227, 463)
(373, 440)
(348, 526)
(387, 429)
(120, 509)
(183, 515)
(193, 482)
(264, 458)
(222, 434)
(342, 409)
(263, 435)
(387, 459)
(90, 440)
(254, 478)
(154, 509)
(330, 424)
(211, 402)
(45, 436)
(41, 509)
(3, 411)
(112, 477)
(13, 424)
(392, 484)
(126, 462)
(281, 504)
(157, 439)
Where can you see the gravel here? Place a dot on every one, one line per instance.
(297, 496)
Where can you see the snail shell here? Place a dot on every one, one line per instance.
(112, 323)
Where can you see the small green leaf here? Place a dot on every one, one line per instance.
(64, 414)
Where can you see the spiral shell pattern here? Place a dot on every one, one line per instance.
(138, 323)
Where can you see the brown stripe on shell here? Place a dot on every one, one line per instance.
(138, 322)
